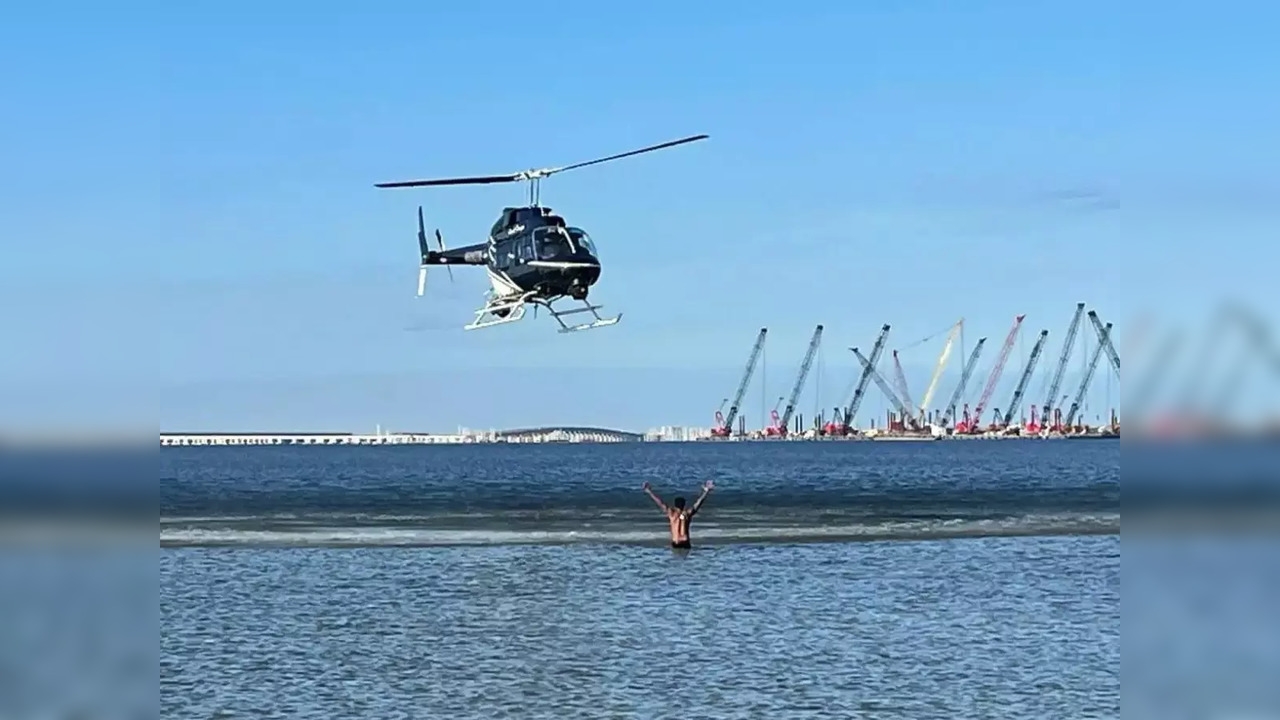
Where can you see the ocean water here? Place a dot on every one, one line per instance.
(888, 580)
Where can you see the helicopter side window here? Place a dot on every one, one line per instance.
(526, 249)
(551, 244)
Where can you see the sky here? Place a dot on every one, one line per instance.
(192, 238)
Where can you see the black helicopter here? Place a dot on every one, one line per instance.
(532, 255)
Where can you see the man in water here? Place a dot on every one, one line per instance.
(679, 516)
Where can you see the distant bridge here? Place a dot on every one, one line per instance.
(566, 434)
(521, 435)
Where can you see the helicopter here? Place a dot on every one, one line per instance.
(532, 256)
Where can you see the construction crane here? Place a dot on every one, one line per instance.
(940, 366)
(782, 424)
(726, 427)
(1026, 375)
(844, 423)
(995, 372)
(900, 378)
(964, 380)
(1068, 344)
(1103, 340)
(720, 412)
(903, 409)
(771, 428)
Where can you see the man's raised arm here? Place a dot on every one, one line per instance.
(706, 490)
(656, 499)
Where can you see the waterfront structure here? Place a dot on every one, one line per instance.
(463, 436)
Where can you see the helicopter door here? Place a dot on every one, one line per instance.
(504, 255)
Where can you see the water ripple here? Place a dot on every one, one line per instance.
(1018, 628)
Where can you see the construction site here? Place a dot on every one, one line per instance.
(1053, 416)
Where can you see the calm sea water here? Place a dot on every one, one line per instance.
(895, 580)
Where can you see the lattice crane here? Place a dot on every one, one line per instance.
(1104, 339)
(997, 370)
(725, 428)
(900, 379)
(940, 366)
(903, 409)
(861, 390)
(1026, 375)
(964, 380)
(1068, 344)
(784, 422)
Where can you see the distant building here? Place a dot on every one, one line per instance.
(677, 433)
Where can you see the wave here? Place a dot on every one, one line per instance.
(186, 532)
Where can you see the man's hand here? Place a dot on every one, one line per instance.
(645, 486)
(708, 485)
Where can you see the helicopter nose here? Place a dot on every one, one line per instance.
(585, 275)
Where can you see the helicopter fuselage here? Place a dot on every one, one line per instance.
(531, 250)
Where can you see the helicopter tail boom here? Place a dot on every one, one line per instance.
(468, 255)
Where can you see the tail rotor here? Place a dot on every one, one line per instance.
(440, 242)
(424, 251)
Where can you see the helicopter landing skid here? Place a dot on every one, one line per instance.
(587, 307)
(499, 311)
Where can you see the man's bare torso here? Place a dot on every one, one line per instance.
(679, 520)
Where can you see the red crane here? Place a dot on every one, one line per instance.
(724, 425)
(780, 424)
(976, 420)
(1033, 425)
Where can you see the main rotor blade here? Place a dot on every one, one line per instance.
(477, 180)
(651, 148)
(533, 174)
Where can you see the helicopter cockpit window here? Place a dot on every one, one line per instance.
(552, 244)
(583, 240)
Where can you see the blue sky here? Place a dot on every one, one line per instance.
(192, 236)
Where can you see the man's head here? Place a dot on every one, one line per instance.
(678, 503)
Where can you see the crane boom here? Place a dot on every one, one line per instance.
(1103, 340)
(804, 374)
(964, 379)
(861, 389)
(1026, 375)
(997, 369)
(746, 379)
(942, 363)
(898, 404)
(1068, 344)
(901, 379)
